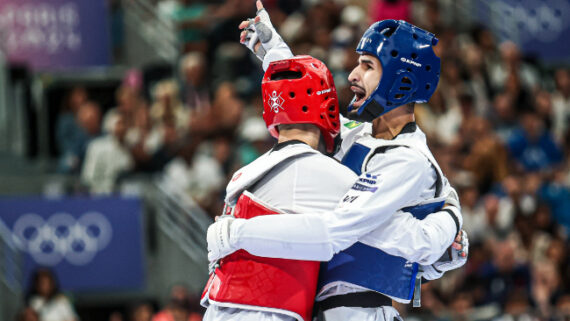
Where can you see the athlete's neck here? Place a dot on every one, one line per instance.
(391, 123)
(307, 133)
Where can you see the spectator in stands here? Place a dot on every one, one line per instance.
(504, 274)
(499, 215)
(478, 79)
(475, 221)
(144, 141)
(451, 83)
(141, 311)
(167, 109)
(223, 118)
(195, 91)
(107, 158)
(438, 119)
(486, 157)
(179, 307)
(89, 117)
(557, 195)
(45, 298)
(485, 40)
(543, 108)
(227, 109)
(504, 116)
(518, 307)
(88, 120)
(512, 64)
(128, 100)
(199, 174)
(68, 131)
(561, 102)
(545, 287)
(191, 20)
(461, 306)
(532, 146)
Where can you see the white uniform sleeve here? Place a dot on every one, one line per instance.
(421, 241)
(278, 52)
(372, 204)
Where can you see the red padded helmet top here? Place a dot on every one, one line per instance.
(301, 90)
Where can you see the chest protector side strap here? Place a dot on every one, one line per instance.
(263, 284)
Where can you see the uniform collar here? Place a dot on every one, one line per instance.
(287, 143)
(408, 129)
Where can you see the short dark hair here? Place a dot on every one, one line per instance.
(295, 126)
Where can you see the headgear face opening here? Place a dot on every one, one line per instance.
(301, 90)
(410, 68)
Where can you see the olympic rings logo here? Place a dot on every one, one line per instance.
(531, 19)
(62, 236)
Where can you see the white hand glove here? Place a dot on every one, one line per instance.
(218, 237)
(261, 30)
(250, 39)
(454, 258)
(266, 32)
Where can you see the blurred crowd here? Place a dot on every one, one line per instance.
(498, 124)
(44, 301)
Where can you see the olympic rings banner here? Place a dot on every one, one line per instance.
(92, 244)
(55, 34)
(539, 27)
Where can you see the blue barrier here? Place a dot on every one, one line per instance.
(91, 244)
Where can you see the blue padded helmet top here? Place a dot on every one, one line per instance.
(410, 68)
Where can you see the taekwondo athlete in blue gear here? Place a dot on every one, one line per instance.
(397, 174)
(410, 73)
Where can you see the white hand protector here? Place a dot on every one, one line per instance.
(454, 258)
(261, 31)
(250, 40)
(218, 237)
(267, 34)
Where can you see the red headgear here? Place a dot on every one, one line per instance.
(301, 90)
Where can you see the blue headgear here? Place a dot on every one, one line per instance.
(410, 68)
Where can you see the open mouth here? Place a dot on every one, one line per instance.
(359, 95)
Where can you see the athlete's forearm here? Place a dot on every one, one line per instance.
(288, 236)
(421, 241)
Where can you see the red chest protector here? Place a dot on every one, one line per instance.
(263, 284)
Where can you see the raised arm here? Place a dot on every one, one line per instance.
(259, 36)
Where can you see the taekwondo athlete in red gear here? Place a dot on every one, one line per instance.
(383, 223)
(300, 110)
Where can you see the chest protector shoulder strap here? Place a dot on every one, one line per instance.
(247, 176)
(369, 267)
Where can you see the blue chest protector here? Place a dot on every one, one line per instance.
(370, 267)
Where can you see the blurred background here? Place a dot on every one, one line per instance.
(122, 120)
